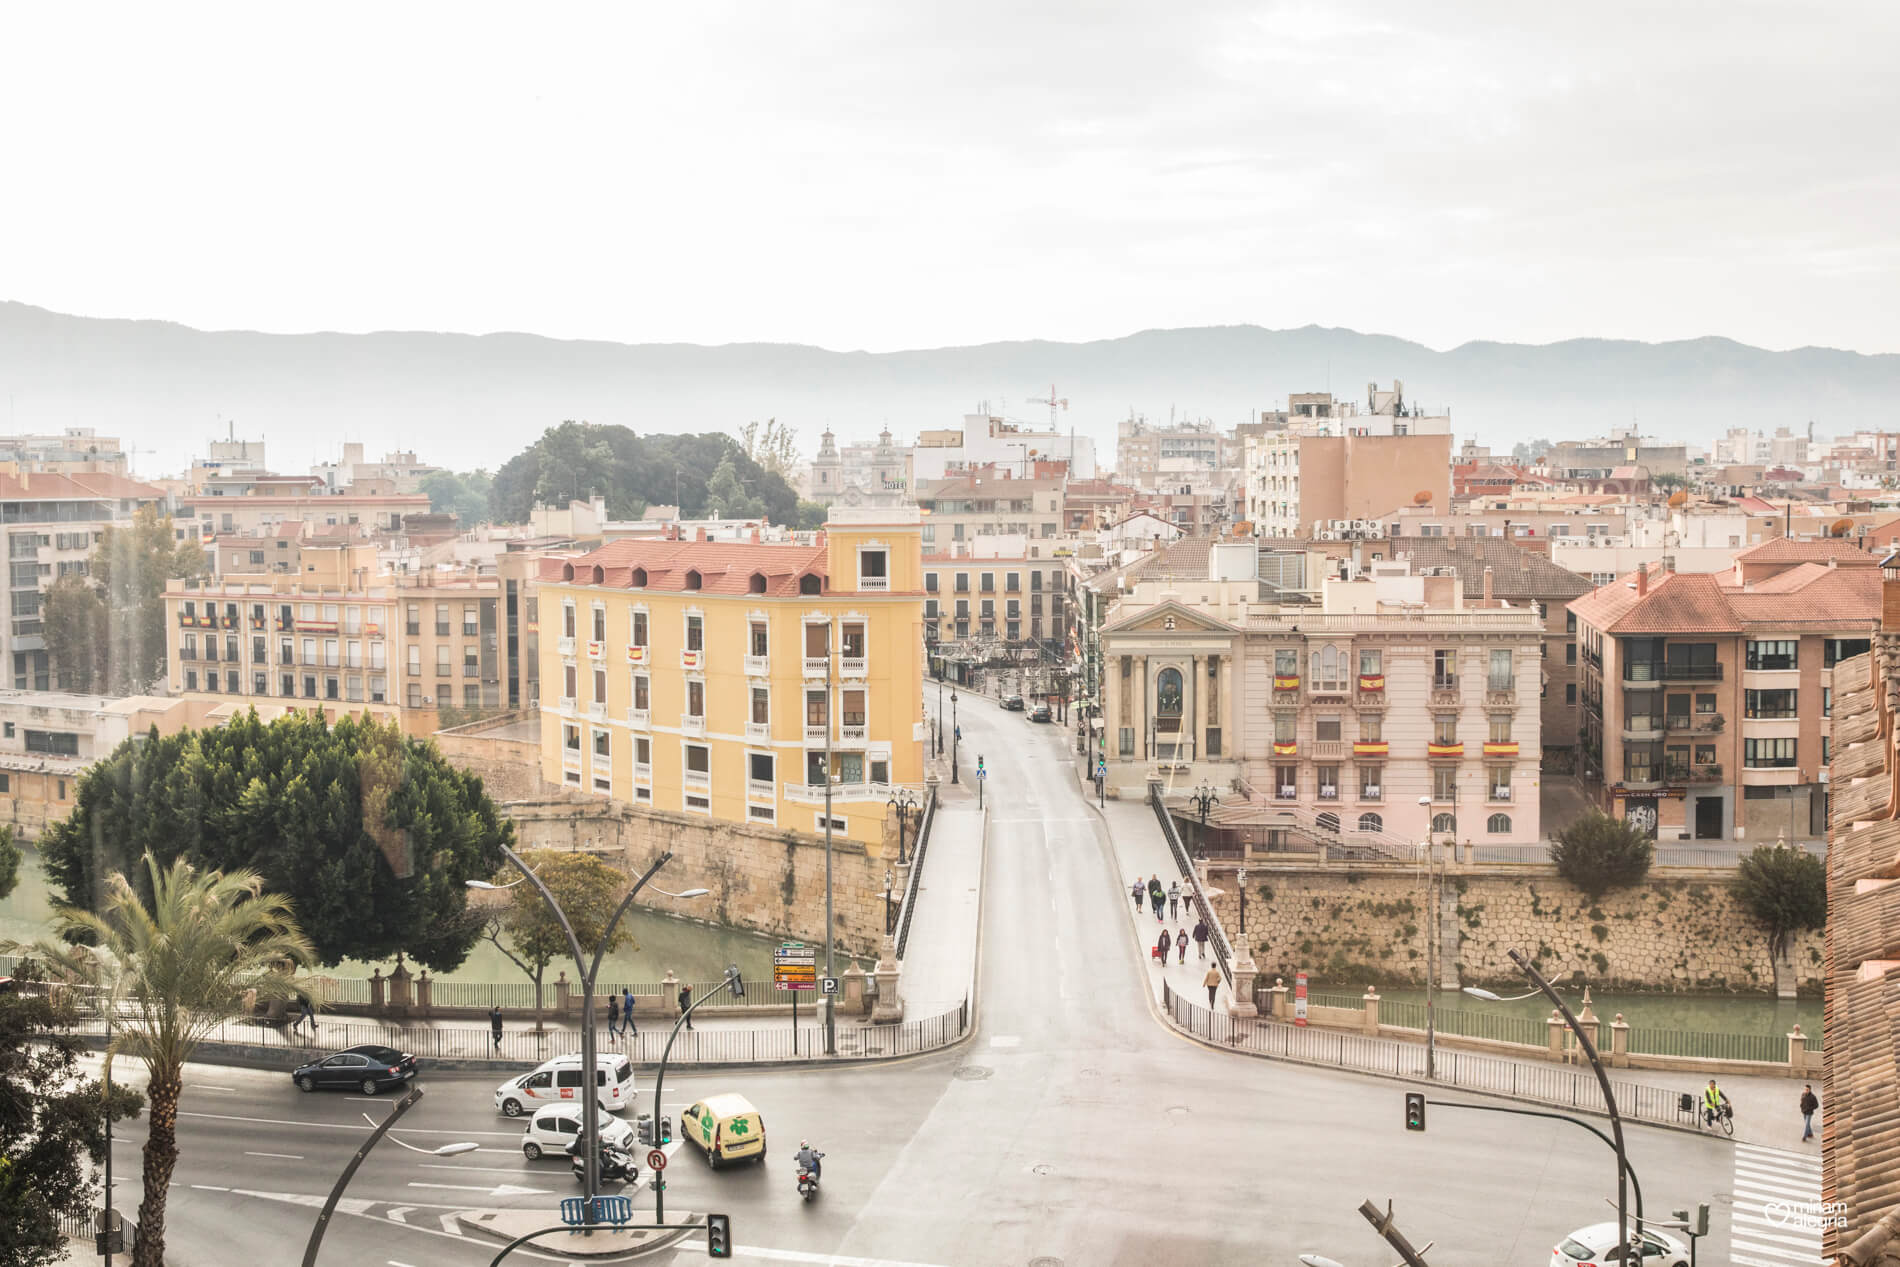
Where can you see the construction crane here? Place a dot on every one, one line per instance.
(1053, 401)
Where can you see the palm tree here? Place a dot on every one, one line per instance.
(173, 971)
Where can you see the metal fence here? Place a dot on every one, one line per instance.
(1710, 855)
(1494, 1075)
(1217, 935)
(482, 994)
(1768, 1048)
(918, 848)
(1498, 1026)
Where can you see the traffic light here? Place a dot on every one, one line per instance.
(666, 1129)
(1414, 1110)
(1702, 1219)
(719, 1236)
(645, 1129)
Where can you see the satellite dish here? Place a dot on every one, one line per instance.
(1841, 527)
(1422, 498)
(1679, 498)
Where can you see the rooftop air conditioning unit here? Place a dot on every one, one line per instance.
(1327, 535)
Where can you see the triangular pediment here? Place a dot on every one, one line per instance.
(1156, 620)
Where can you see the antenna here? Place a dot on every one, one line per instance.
(1053, 401)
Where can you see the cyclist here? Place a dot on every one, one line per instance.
(1714, 1101)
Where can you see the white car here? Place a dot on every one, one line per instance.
(558, 1081)
(552, 1129)
(1595, 1246)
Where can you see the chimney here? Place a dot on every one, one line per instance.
(699, 534)
(1642, 580)
(1487, 585)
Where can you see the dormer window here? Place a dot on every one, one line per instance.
(692, 578)
(757, 584)
(639, 578)
(808, 583)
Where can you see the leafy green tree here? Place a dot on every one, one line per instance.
(578, 460)
(1598, 853)
(370, 834)
(773, 445)
(74, 622)
(465, 496)
(10, 860)
(116, 643)
(174, 967)
(1667, 481)
(810, 515)
(52, 1121)
(725, 496)
(526, 931)
(1784, 890)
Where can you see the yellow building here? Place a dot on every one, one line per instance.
(691, 676)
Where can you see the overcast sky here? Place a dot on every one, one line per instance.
(904, 174)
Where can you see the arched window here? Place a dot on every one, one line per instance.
(1444, 822)
(1371, 822)
(1168, 693)
(808, 583)
(1498, 824)
(600, 574)
(1329, 822)
(692, 578)
(757, 584)
(639, 578)
(567, 571)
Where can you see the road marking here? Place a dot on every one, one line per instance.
(394, 1263)
(345, 1126)
(205, 1187)
(1775, 1216)
(283, 1156)
(205, 1086)
(828, 1260)
(499, 1190)
(451, 1224)
(471, 1170)
(400, 1213)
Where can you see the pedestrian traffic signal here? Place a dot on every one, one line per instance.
(1414, 1110)
(719, 1236)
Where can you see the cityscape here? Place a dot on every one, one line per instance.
(1033, 778)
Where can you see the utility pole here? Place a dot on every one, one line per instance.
(831, 1007)
(1382, 1224)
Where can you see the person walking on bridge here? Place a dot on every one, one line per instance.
(1174, 901)
(1200, 939)
(1136, 891)
(1157, 896)
(1212, 982)
(1180, 943)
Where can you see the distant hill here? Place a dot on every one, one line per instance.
(467, 400)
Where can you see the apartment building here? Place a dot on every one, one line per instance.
(1706, 697)
(48, 739)
(270, 501)
(986, 440)
(73, 451)
(734, 680)
(399, 469)
(1019, 597)
(989, 503)
(1301, 484)
(51, 524)
(1345, 714)
(1151, 456)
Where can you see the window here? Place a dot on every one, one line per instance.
(441, 660)
(571, 738)
(1371, 822)
(1570, 691)
(1570, 653)
(761, 706)
(1502, 676)
(642, 692)
(1705, 702)
(1286, 782)
(1126, 747)
(1827, 701)
(1768, 754)
(1827, 744)
(1774, 653)
(472, 661)
(1286, 662)
(1500, 782)
(1369, 664)
(696, 699)
(570, 681)
(815, 711)
(759, 767)
(698, 759)
(638, 634)
(191, 679)
(1834, 650)
(851, 641)
(1285, 727)
(758, 641)
(600, 622)
(378, 688)
(603, 743)
(1371, 727)
(1445, 728)
(930, 582)
(287, 685)
(851, 706)
(1371, 782)
(1500, 731)
(1498, 824)
(1330, 667)
(1639, 765)
(412, 624)
(1444, 823)
(441, 620)
(1777, 703)
(874, 569)
(260, 684)
(1326, 728)
(1444, 670)
(600, 686)
(987, 583)
(963, 582)
(695, 633)
(642, 753)
(1444, 783)
(1012, 582)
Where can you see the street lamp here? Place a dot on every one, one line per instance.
(1203, 799)
(956, 733)
(659, 1082)
(589, 972)
(903, 801)
(887, 901)
(1479, 992)
(1240, 882)
(349, 1172)
(1431, 947)
(940, 707)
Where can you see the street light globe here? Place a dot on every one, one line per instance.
(453, 1150)
(1479, 992)
(694, 893)
(481, 884)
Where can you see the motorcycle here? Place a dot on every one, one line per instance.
(808, 1180)
(616, 1165)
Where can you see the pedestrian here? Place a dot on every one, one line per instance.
(1180, 943)
(1212, 982)
(626, 1011)
(1157, 896)
(613, 1015)
(1163, 946)
(1136, 892)
(1174, 901)
(1809, 1104)
(306, 1013)
(494, 1024)
(686, 1004)
(1200, 939)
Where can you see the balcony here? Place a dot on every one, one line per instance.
(1372, 792)
(853, 734)
(760, 730)
(759, 790)
(1500, 694)
(874, 584)
(595, 650)
(636, 655)
(1328, 749)
(758, 666)
(1289, 748)
(639, 718)
(1500, 794)
(1643, 729)
(570, 758)
(1286, 792)
(816, 735)
(567, 706)
(643, 772)
(1329, 794)
(1692, 672)
(692, 723)
(1642, 781)
(1445, 749)
(852, 666)
(817, 666)
(692, 659)
(1372, 684)
(1371, 748)
(1444, 693)
(1286, 682)
(1643, 675)
(563, 646)
(597, 710)
(698, 778)
(1500, 748)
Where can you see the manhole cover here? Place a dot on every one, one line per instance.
(1177, 1110)
(974, 1073)
(1047, 1260)
(1041, 1168)
(1090, 1073)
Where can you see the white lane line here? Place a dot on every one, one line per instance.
(394, 1263)
(207, 1187)
(281, 1156)
(474, 1170)
(205, 1086)
(1754, 1228)
(1747, 1260)
(1800, 1179)
(1799, 1174)
(399, 1214)
(826, 1260)
(345, 1126)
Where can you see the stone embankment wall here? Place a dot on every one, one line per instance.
(1350, 927)
(771, 881)
(510, 768)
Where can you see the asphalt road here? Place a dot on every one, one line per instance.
(1072, 1129)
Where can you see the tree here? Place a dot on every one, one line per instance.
(1783, 889)
(51, 1117)
(773, 445)
(527, 932)
(74, 622)
(10, 859)
(1598, 853)
(174, 968)
(119, 645)
(464, 496)
(811, 515)
(725, 497)
(577, 460)
(1667, 481)
(370, 834)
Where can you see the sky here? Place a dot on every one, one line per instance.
(920, 174)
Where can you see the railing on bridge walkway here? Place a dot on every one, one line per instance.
(1216, 934)
(918, 850)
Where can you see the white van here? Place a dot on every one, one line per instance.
(559, 1080)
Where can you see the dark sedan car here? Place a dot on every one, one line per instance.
(1039, 713)
(368, 1069)
(1013, 703)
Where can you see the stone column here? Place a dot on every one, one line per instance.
(1619, 1043)
(399, 991)
(376, 991)
(1279, 993)
(1195, 723)
(670, 995)
(1557, 1031)
(890, 1008)
(1797, 1053)
(425, 990)
(563, 991)
(1587, 1018)
(1140, 678)
(853, 986)
(1371, 1005)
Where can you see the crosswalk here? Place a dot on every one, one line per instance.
(1777, 1214)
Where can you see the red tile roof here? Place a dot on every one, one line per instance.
(79, 486)
(1678, 603)
(724, 567)
(1783, 550)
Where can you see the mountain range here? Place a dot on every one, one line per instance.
(474, 400)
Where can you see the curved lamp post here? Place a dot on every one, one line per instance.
(903, 800)
(588, 972)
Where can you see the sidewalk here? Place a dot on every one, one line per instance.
(940, 953)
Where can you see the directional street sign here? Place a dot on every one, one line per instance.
(794, 967)
(656, 1160)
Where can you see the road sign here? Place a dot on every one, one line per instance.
(794, 967)
(1299, 999)
(831, 985)
(656, 1160)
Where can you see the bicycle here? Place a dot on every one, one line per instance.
(1723, 1116)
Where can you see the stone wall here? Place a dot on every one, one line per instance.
(766, 879)
(510, 767)
(1352, 926)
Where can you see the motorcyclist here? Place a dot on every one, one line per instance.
(808, 1158)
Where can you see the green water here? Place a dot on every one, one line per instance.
(661, 943)
(1703, 1013)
